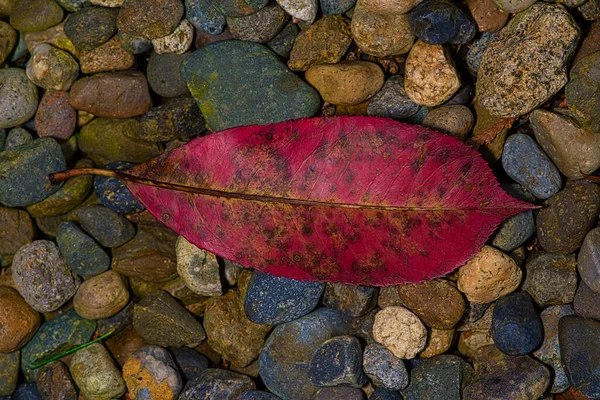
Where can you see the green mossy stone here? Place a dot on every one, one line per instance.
(82, 254)
(35, 15)
(9, 372)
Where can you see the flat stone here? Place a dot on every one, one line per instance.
(18, 97)
(95, 373)
(439, 378)
(178, 118)
(259, 27)
(551, 279)
(112, 192)
(401, 331)
(516, 230)
(81, 253)
(19, 321)
(163, 74)
(150, 19)
(151, 372)
(106, 226)
(453, 120)
(588, 264)
(215, 383)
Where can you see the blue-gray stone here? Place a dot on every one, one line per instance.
(273, 300)
(239, 83)
(113, 193)
(338, 361)
(384, 369)
(392, 102)
(109, 228)
(418, 118)
(335, 7)
(475, 53)
(24, 172)
(82, 254)
(134, 44)
(514, 231)
(27, 391)
(285, 358)
(116, 323)
(204, 16)
(441, 21)
(189, 361)
(516, 327)
(17, 137)
(215, 383)
(439, 378)
(526, 163)
(9, 372)
(282, 43)
(340, 393)
(384, 394)
(258, 395)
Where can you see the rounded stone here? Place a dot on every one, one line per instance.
(95, 373)
(354, 301)
(257, 395)
(8, 40)
(514, 231)
(567, 217)
(513, 6)
(282, 43)
(583, 85)
(259, 27)
(134, 44)
(16, 230)
(346, 83)
(150, 19)
(587, 302)
(55, 117)
(106, 226)
(18, 320)
(489, 275)
(391, 101)
(90, 27)
(383, 368)
(238, 8)
(18, 97)
(551, 279)
(109, 56)
(438, 378)
(54, 381)
(588, 260)
(177, 42)
(198, 268)
(431, 77)
(216, 383)
(454, 120)
(338, 361)
(487, 16)
(527, 164)
(516, 327)
(17, 137)
(176, 119)
(190, 362)
(164, 76)
(81, 253)
(35, 15)
(204, 16)
(26, 391)
(441, 21)
(304, 10)
(42, 277)
(390, 6)
(336, 7)
(439, 341)
(101, 296)
(9, 373)
(401, 331)
(150, 372)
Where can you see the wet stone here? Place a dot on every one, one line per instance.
(95, 373)
(525, 162)
(238, 8)
(113, 193)
(54, 381)
(551, 279)
(567, 217)
(161, 320)
(189, 362)
(215, 383)
(90, 27)
(400, 331)
(441, 21)
(178, 118)
(338, 361)
(275, 300)
(283, 42)
(587, 302)
(150, 19)
(391, 101)
(353, 301)
(198, 268)
(42, 277)
(81, 253)
(106, 226)
(340, 393)
(516, 327)
(383, 368)
(441, 377)
(516, 230)
(259, 27)
(164, 76)
(150, 373)
(110, 56)
(55, 117)
(35, 15)
(18, 97)
(101, 296)
(204, 16)
(336, 7)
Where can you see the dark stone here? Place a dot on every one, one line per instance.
(514, 231)
(91, 26)
(117, 322)
(441, 21)
(17, 137)
(204, 16)
(258, 395)
(106, 226)
(587, 302)
(516, 327)
(54, 382)
(239, 8)
(384, 394)
(189, 361)
(340, 393)
(215, 383)
(335, 7)
(588, 260)
(551, 279)
(259, 27)
(439, 378)
(384, 369)
(164, 76)
(82, 254)
(179, 118)
(282, 43)
(353, 301)
(9, 372)
(338, 361)
(27, 391)
(113, 193)
(150, 19)
(274, 300)
(392, 102)
(134, 44)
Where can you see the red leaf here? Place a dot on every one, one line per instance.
(356, 200)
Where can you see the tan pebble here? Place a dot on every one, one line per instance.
(439, 342)
(109, 56)
(177, 42)
(470, 341)
(18, 321)
(390, 6)
(101, 296)
(401, 331)
(431, 77)
(454, 120)
(346, 83)
(488, 276)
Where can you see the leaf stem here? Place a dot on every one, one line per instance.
(62, 175)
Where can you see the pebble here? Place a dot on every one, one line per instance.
(549, 351)
(588, 264)
(454, 120)
(150, 255)
(516, 327)
(189, 361)
(437, 303)
(35, 15)
(101, 296)
(260, 27)
(431, 77)
(54, 381)
(579, 351)
(381, 34)
(81, 253)
(237, 95)
(285, 358)
(177, 42)
(525, 162)
(590, 10)
(215, 383)
(487, 15)
(204, 16)
(110, 56)
(95, 373)
(9, 372)
(586, 302)
(163, 75)
(178, 118)
(401, 331)
(583, 85)
(92, 26)
(338, 361)
(16, 230)
(390, 6)
(589, 44)
(513, 6)
(506, 377)
(513, 79)
(438, 342)
(230, 332)
(475, 52)
(151, 373)
(336, 7)
(354, 301)
(551, 279)
(383, 394)
(134, 44)
(383, 368)
(198, 268)
(72, 5)
(516, 230)
(18, 320)
(567, 217)
(106, 226)
(65, 331)
(441, 21)
(572, 149)
(42, 277)
(283, 42)
(391, 101)
(439, 378)
(18, 97)
(161, 320)
(27, 391)
(150, 19)
(120, 94)
(239, 8)
(8, 40)
(488, 276)
(485, 121)
(324, 42)
(257, 395)
(54, 36)
(346, 83)
(123, 344)
(17, 137)
(55, 118)
(303, 10)
(113, 193)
